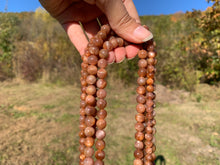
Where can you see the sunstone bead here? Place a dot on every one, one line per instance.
(141, 81)
(90, 121)
(148, 137)
(141, 90)
(150, 95)
(99, 162)
(150, 68)
(148, 150)
(150, 88)
(100, 144)
(103, 53)
(138, 162)
(97, 41)
(150, 61)
(102, 114)
(142, 63)
(90, 110)
(101, 123)
(82, 126)
(82, 156)
(91, 90)
(89, 141)
(142, 72)
(107, 45)
(83, 96)
(139, 127)
(140, 117)
(89, 131)
(148, 163)
(100, 134)
(138, 154)
(148, 144)
(139, 145)
(93, 50)
(105, 28)
(140, 108)
(102, 34)
(91, 70)
(101, 83)
(88, 151)
(88, 161)
(82, 119)
(141, 99)
(93, 60)
(90, 100)
(91, 79)
(139, 136)
(102, 63)
(101, 103)
(81, 148)
(114, 42)
(142, 54)
(152, 54)
(100, 154)
(102, 73)
(120, 42)
(101, 93)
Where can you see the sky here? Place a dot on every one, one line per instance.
(144, 7)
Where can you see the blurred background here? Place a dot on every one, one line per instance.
(40, 87)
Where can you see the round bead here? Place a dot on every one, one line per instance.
(150, 61)
(102, 73)
(90, 121)
(90, 100)
(94, 50)
(82, 157)
(82, 104)
(150, 47)
(149, 103)
(89, 142)
(82, 119)
(101, 93)
(102, 63)
(84, 66)
(142, 54)
(91, 79)
(93, 60)
(82, 111)
(142, 63)
(103, 53)
(114, 42)
(139, 136)
(138, 162)
(88, 151)
(142, 72)
(100, 154)
(150, 68)
(150, 75)
(91, 90)
(107, 45)
(150, 81)
(83, 96)
(82, 126)
(88, 161)
(149, 130)
(148, 150)
(100, 134)
(97, 41)
(141, 99)
(101, 104)
(149, 109)
(92, 69)
(105, 28)
(148, 137)
(140, 108)
(150, 95)
(141, 81)
(101, 83)
(89, 131)
(100, 144)
(102, 114)
(138, 154)
(152, 54)
(83, 89)
(149, 157)
(101, 123)
(139, 127)
(139, 145)
(90, 110)
(140, 117)
(83, 82)
(81, 148)
(120, 42)
(84, 73)
(141, 90)
(99, 162)
(148, 144)
(102, 35)
(148, 163)
(150, 88)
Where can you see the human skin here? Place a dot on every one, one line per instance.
(121, 15)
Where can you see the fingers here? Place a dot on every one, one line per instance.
(122, 23)
(132, 10)
(76, 36)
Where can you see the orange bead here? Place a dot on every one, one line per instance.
(142, 54)
(89, 142)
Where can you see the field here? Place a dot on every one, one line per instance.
(39, 125)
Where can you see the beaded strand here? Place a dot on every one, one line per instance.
(93, 103)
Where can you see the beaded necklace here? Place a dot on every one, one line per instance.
(92, 121)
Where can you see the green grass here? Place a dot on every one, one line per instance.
(41, 126)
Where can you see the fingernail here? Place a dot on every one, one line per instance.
(142, 34)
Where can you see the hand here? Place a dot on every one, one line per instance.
(121, 15)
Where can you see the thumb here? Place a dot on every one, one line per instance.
(122, 23)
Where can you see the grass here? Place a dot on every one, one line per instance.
(39, 125)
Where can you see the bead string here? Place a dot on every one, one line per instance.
(92, 104)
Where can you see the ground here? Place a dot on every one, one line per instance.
(39, 125)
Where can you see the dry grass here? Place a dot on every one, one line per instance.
(39, 125)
